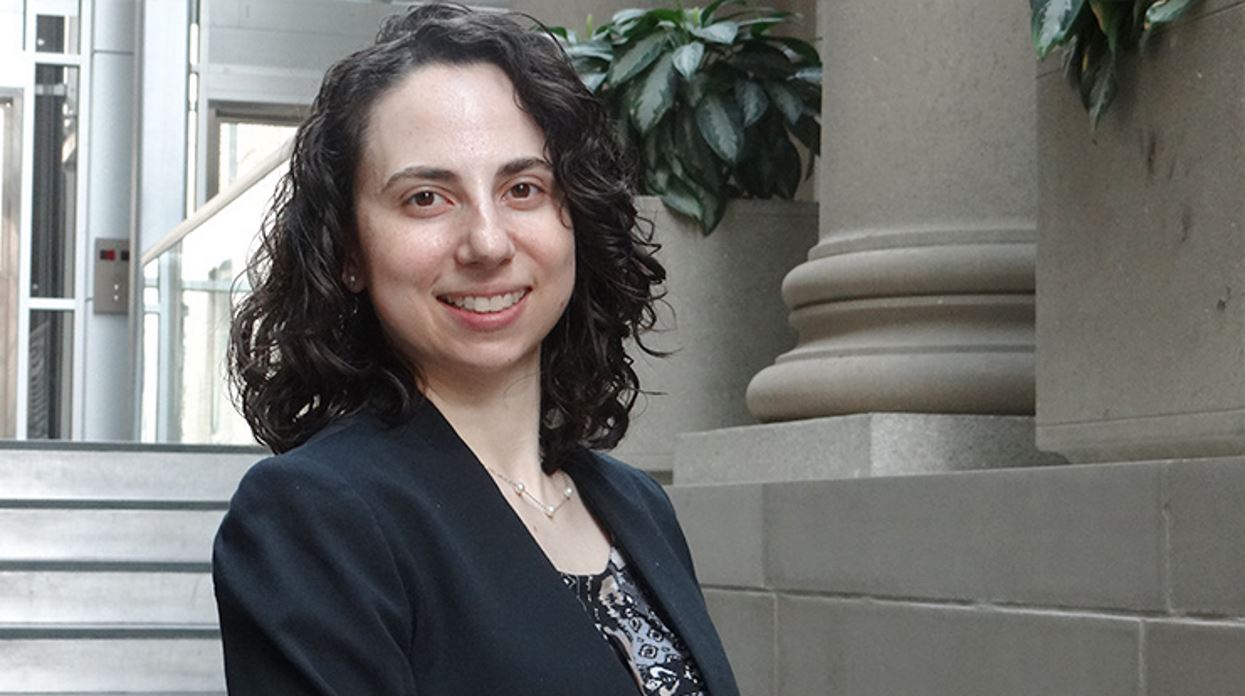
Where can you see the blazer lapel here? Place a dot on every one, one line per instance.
(647, 546)
(504, 549)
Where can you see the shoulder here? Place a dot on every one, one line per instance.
(638, 491)
(358, 452)
(334, 474)
(623, 475)
(637, 485)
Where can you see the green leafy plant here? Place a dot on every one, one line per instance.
(707, 101)
(1094, 33)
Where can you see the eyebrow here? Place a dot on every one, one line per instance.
(508, 169)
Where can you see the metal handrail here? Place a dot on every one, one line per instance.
(279, 157)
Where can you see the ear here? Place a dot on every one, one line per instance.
(352, 276)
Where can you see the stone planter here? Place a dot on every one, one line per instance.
(1141, 260)
(919, 295)
(725, 320)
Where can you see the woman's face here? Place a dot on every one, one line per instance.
(466, 251)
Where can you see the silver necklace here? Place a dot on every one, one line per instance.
(522, 490)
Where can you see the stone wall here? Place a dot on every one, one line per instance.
(1096, 580)
(1142, 254)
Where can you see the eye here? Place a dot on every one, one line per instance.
(423, 199)
(524, 189)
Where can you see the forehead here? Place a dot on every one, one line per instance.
(460, 117)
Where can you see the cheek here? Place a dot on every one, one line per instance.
(401, 258)
(567, 262)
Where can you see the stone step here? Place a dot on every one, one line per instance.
(110, 659)
(73, 537)
(94, 471)
(100, 597)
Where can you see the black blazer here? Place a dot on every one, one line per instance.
(383, 560)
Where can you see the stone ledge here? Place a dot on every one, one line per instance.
(1185, 658)
(852, 648)
(874, 444)
(1207, 537)
(745, 621)
(723, 525)
(1153, 537)
(1064, 536)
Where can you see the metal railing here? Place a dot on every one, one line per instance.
(191, 280)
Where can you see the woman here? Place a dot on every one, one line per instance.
(435, 335)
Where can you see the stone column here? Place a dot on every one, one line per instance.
(920, 294)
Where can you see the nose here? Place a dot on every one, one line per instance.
(487, 240)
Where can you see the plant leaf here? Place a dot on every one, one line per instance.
(757, 26)
(759, 59)
(1072, 60)
(1052, 20)
(1103, 91)
(696, 89)
(592, 80)
(712, 7)
(752, 101)
(711, 204)
(659, 181)
(681, 199)
(721, 126)
(787, 101)
(787, 161)
(810, 74)
(762, 169)
(591, 49)
(801, 48)
(1093, 59)
(687, 58)
(715, 209)
(657, 95)
(719, 32)
(808, 132)
(1165, 11)
(704, 164)
(666, 14)
(666, 150)
(637, 59)
(1110, 18)
(629, 15)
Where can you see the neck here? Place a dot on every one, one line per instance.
(499, 419)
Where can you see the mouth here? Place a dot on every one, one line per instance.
(485, 304)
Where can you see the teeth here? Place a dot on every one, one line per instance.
(486, 305)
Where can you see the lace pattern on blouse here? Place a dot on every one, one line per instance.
(657, 658)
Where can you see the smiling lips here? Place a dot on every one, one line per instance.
(480, 304)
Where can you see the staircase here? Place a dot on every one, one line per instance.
(105, 551)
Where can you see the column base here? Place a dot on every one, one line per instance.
(857, 446)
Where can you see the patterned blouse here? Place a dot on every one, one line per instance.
(619, 606)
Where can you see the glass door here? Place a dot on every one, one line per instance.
(10, 235)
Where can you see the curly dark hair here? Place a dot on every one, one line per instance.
(305, 351)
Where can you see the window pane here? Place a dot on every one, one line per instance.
(58, 33)
(51, 360)
(10, 182)
(244, 145)
(54, 210)
(151, 350)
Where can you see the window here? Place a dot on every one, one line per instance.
(241, 136)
